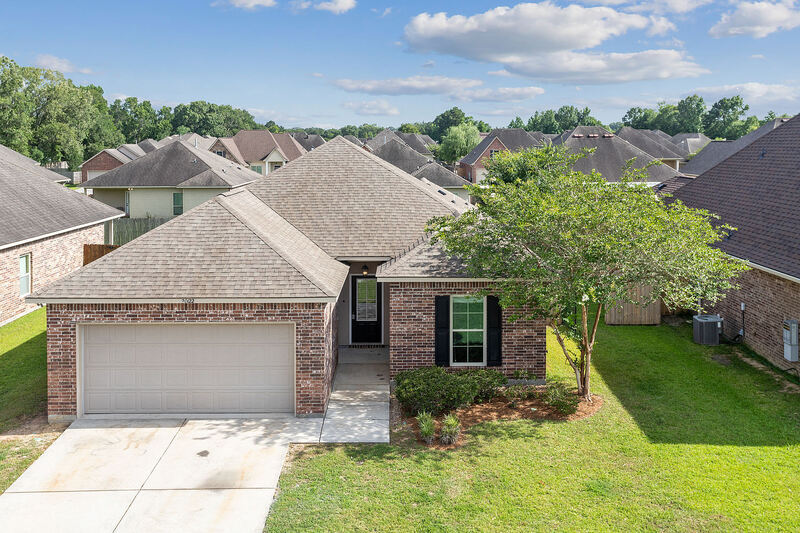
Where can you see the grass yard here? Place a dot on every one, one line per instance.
(23, 392)
(684, 442)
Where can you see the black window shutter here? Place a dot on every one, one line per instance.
(442, 317)
(494, 337)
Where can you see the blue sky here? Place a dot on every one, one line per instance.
(336, 62)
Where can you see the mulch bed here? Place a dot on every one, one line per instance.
(494, 410)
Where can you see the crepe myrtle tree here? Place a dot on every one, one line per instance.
(564, 245)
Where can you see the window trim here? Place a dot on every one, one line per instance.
(29, 274)
(260, 169)
(175, 206)
(485, 346)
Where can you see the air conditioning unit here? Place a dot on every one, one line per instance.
(707, 329)
(790, 340)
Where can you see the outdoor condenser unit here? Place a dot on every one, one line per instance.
(790, 340)
(707, 329)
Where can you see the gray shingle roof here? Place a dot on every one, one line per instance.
(255, 145)
(424, 260)
(352, 203)
(382, 138)
(514, 139)
(7, 154)
(134, 151)
(148, 145)
(611, 154)
(355, 140)
(436, 173)
(203, 142)
(178, 164)
(415, 141)
(401, 155)
(690, 142)
(231, 247)
(717, 151)
(308, 141)
(671, 185)
(650, 143)
(32, 205)
(757, 191)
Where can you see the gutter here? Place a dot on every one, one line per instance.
(41, 300)
(767, 270)
(53, 234)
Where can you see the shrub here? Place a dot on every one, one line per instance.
(523, 374)
(560, 397)
(516, 393)
(433, 389)
(487, 382)
(451, 428)
(426, 427)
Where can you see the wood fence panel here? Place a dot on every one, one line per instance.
(93, 252)
(630, 314)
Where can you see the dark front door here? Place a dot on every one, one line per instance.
(366, 310)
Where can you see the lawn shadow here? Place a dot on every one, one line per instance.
(681, 393)
(23, 381)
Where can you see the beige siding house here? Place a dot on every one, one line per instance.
(260, 150)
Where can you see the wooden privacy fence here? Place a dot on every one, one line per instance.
(127, 229)
(93, 252)
(629, 314)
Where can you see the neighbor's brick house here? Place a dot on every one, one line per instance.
(472, 167)
(755, 190)
(43, 230)
(240, 305)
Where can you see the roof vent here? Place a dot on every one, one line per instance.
(607, 135)
(578, 135)
(593, 136)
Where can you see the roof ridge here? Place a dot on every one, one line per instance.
(223, 200)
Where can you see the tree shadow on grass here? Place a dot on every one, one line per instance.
(678, 392)
(23, 381)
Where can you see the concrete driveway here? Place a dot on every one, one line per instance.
(155, 475)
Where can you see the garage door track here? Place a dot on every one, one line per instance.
(155, 475)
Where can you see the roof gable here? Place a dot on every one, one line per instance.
(649, 142)
(514, 139)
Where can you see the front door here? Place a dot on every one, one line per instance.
(366, 310)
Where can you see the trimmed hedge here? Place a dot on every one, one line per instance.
(436, 391)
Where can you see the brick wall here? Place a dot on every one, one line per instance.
(474, 173)
(315, 350)
(51, 259)
(101, 161)
(412, 325)
(768, 301)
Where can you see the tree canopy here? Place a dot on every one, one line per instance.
(458, 142)
(564, 245)
(558, 120)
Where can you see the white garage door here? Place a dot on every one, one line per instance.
(188, 368)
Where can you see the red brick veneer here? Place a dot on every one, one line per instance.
(315, 333)
(51, 259)
(411, 329)
(768, 301)
(101, 161)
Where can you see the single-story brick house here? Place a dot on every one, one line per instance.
(756, 190)
(240, 305)
(260, 150)
(43, 227)
(472, 166)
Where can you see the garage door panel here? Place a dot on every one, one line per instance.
(187, 368)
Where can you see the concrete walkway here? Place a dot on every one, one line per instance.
(358, 410)
(185, 474)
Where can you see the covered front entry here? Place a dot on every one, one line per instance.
(200, 368)
(366, 313)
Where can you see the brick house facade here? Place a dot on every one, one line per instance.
(316, 346)
(102, 162)
(51, 258)
(412, 324)
(474, 173)
(769, 300)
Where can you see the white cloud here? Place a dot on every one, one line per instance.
(758, 56)
(59, 63)
(429, 64)
(384, 13)
(336, 6)
(247, 4)
(465, 89)
(656, 6)
(372, 108)
(410, 85)
(502, 73)
(551, 42)
(757, 19)
(762, 93)
(318, 74)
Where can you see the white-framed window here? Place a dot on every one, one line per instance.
(128, 203)
(467, 331)
(366, 299)
(24, 275)
(257, 168)
(177, 203)
(492, 152)
(221, 153)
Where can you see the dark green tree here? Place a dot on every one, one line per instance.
(516, 123)
(446, 120)
(690, 114)
(641, 118)
(724, 119)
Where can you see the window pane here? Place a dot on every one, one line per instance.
(460, 321)
(459, 338)
(475, 354)
(476, 306)
(459, 305)
(24, 264)
(460, 355)
(476, 320)
(475, 338)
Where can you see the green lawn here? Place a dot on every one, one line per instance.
(23, 391)
(683, 443)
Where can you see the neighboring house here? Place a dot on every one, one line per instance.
(308, 141)
(671, 185)
(717, 151)
(757, 191)
(43, 227)
(260, 150)
(650, 142)
(168, 181)
(7, 154)
(382, 138)
(472, 166)
(202, 142)
(249, 296)
(417, 142)
(611, 154)
(355, 140)
(409, 160)
(690, 143)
